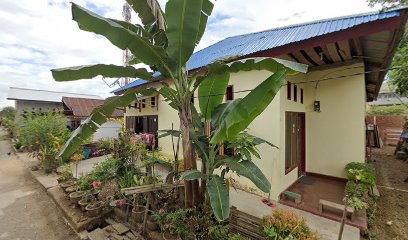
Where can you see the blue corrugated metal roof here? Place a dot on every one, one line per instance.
(259, 41)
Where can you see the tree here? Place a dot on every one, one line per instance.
(165, 42)
(388, 3)
(8, 112)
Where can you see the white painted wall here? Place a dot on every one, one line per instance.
(109, 129)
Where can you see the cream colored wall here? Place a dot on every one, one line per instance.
(336, 135)
(167, 116)
(265, 126)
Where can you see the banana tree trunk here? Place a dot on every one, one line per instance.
(192, 197)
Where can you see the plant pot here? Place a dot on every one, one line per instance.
(96, 192)
(155, 235)
(138, 213)
(168, 236)
(83, 203)
(152, 225)
(66, 184)
(70, 190)
(74, 197)
(94, 209)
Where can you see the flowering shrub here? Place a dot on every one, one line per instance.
(282, 225)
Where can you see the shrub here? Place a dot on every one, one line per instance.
(38, 131)
(286, 225)
(354, 189)
(357, 203)
(66, 172)
(387, 110)
(106, 145)
(361, 172)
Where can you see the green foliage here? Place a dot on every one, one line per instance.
(17, 145)
(8, 112)
(399, 76)
(128, 151)
(356, 189)
(177, 223)
(42, 130)
(66, 172)
(10, 126)
(357, 203)
(387, 110)
(283, 225)
(361, 172)
(106, 144)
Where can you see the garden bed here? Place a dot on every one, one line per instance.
(76, 218)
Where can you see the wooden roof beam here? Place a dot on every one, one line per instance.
(333, 52)
(314, 56)
(344, 49)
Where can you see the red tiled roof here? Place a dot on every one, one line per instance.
(83, 107)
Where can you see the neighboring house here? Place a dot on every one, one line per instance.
(76, 107)
(318, 119)
(388, 97)
(33, 101)
(79, 109)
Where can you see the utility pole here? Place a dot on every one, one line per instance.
(126, 13)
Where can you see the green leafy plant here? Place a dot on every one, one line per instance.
(165, 41)
(106, 145)
(66, 172)
(355, 189)
(361, 172)
(285, 225)
(387, 110)
(39, 131)
(357, 203)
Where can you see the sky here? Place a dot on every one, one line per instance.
(39, 35)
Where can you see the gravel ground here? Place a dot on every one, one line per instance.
(26, 212)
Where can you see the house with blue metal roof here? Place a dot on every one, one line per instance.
(317, 119)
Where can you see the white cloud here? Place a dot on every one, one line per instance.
(37, 35)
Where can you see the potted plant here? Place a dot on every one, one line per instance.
(76, 196)
(65, 175)
(96, 188)
(138, 212)
(94, 208)
(86, 199)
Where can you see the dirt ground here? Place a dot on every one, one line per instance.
(26, 212)
(393, 203)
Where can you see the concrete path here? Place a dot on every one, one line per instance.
(86, 166)
(327, 229)
(26, 212)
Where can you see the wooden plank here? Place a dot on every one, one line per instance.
(299, 56)
(344, 49)
(326, 53)
(120, 228)
(286, 57)
(331, 47)
(359, 48)
(314, 56)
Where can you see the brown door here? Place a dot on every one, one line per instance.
(295, 142)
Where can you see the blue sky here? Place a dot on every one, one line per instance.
(37, 35)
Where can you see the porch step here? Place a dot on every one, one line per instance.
(297, 197)
(340, 207)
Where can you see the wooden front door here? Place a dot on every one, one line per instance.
(295, 142)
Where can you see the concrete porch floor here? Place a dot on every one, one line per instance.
(328, 229)
(314, 188)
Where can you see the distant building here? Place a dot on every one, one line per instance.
(33, 101)
(76, 107)
(388, 97)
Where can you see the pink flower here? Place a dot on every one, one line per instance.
(121, 202)
(161, 211)
(96, 184)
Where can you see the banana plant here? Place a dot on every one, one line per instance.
(229, 122)
(164, 41)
